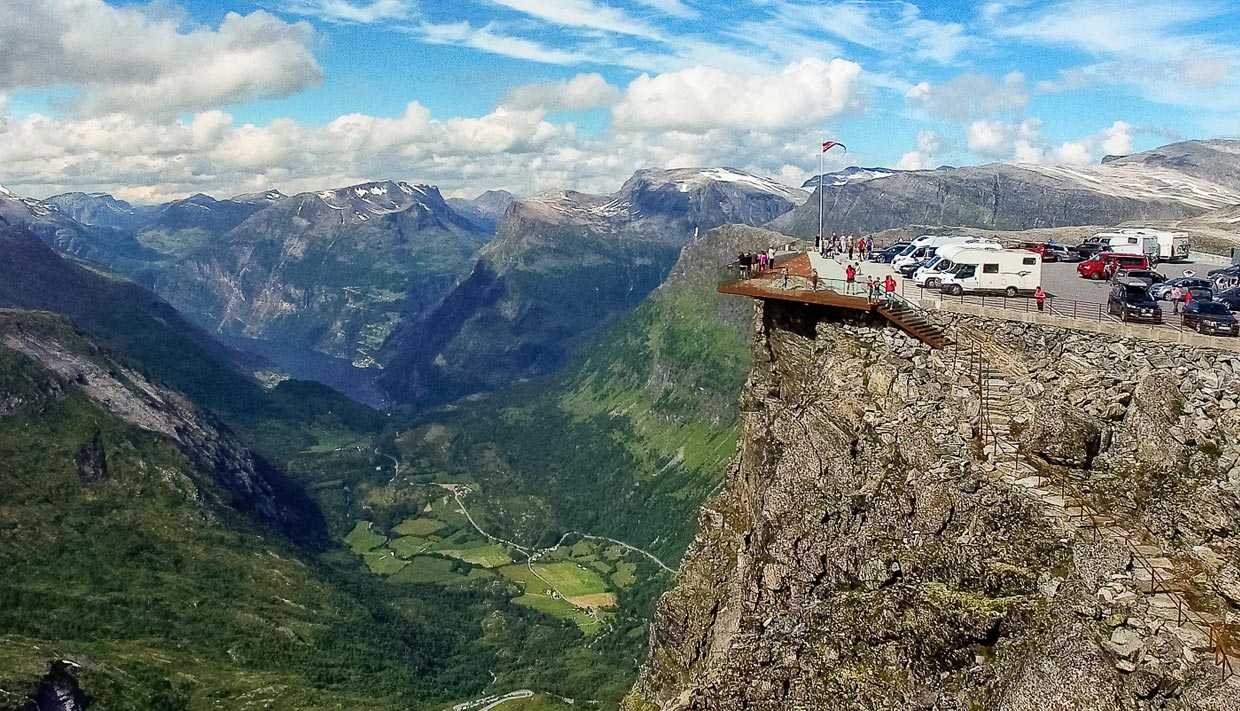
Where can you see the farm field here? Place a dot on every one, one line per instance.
(581, 579)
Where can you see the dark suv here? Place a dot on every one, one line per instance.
(1210, 317)
(1130, 300)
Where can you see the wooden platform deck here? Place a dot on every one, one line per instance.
(833, 293)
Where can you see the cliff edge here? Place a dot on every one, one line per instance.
(1031, 519)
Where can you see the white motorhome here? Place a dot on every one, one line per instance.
(925, 247)
(1171, 245)
(1130, 243)
(1005, 271)
(944, 261)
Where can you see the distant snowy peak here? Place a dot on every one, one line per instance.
(268, 196)
(5, 192)
(691, 179)
(369, 201)
(851, 174)
(572, 207)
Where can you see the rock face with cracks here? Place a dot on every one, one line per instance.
(1034, 519)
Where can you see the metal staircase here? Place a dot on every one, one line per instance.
(1151, 570)
(913, 321)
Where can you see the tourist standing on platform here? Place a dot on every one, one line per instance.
(869, 288)
(850, 276)
(813, 278)
(785, 274)
(869, 247)
(1040, 297)
(889, 285)
(861, 248)
(1177, 295)
(850, 248)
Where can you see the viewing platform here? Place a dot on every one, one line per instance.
(832, 289)
(910, 306)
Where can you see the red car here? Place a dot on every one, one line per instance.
(1106, 264)
(1042, 251)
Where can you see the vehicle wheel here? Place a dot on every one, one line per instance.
(1011, 291)
(1201, 328)
(1096, 276)
(955, 290)
(932, 283)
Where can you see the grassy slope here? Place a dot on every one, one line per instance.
(630, 440)
(170, 599)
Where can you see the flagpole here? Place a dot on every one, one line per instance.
(821, 152)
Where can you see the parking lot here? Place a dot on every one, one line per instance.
(1072, 296)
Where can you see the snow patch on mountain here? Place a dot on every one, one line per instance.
(1144, 182)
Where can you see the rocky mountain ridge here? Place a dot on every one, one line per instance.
(1178, 181)
(561, 268)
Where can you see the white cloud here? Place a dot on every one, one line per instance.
(488, 39)
(804, 93)
(365, 12)
(584, 14)
(970, 96)
(675, 8)
(896, 28)
(125, 60)
(1023, 143)
(582, 92)
(1009, 141)
(929, 145)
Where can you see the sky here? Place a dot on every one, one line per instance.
(152, 101)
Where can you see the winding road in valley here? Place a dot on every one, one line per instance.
(460, 502)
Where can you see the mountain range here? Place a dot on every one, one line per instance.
(559, 375)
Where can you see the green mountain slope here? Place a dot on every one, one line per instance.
(631, 438)
(144, 564)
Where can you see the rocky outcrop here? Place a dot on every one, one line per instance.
(251, 483)
(1034, 519)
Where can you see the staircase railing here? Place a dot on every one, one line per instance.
(1220, 640)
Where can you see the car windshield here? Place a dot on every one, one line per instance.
(1210, 307)
(933, 262)
(908, 250)
(1135, 295)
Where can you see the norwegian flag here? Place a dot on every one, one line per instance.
(828, 145)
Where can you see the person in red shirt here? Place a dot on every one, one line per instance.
(1040, 297)
(850, 275)
(889, 286)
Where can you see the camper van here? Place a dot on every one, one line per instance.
(944, 261)
(1171, 245)
(1130, 243)
(1004, 271)
(924, 247)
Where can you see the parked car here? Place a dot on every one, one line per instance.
(908, 269)
(1097, 266)
(1163, 291)
(1041, 249)
(1210, 317)
(1092, 246)
(1130, 301)
(1229, 298)
(1149, 276)
(886, 255)
(1062, 253)
(1232, 270)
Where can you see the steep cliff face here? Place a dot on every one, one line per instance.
(1038, 519)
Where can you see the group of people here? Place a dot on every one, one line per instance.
(861, 247)
(755, 263)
